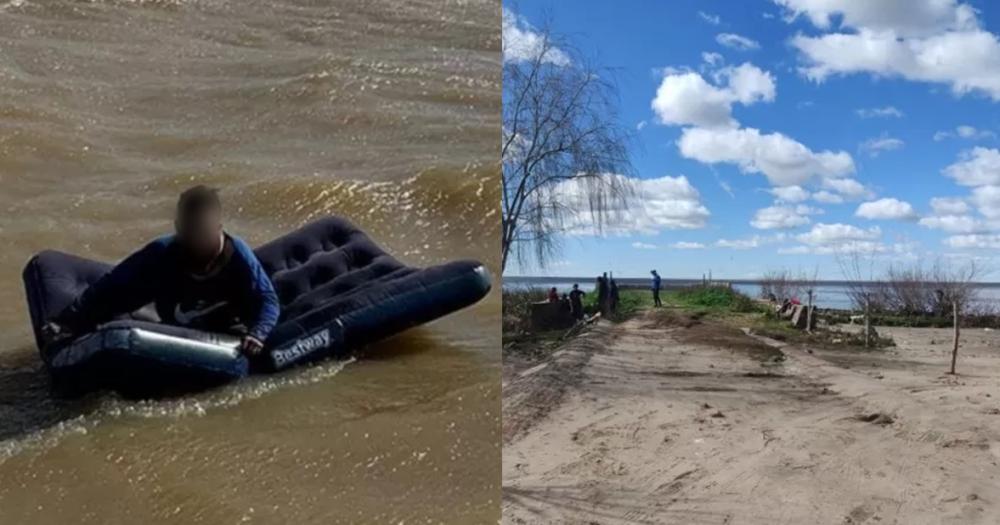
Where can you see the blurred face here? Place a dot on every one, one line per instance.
(200, 234)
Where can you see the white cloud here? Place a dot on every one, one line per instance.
(641, 125)
(975, 240)
(952, 214)
(827, 197)
(886, 209)
(749, 243)
(987, 201)
(959, 223)
(976, 167)
(790, 193)
(848, 188)
(710, 18)
(739, 244)
(949, 206)
(782, 160)
(684, 245)
(643, 246)
(933, 41)
(521, 42)
(735, 41)
(712, 59)
(965, 132)
(794, 250)
(838, 234)
(665, 203)
(685, 98)
(969, 132)
(902, 17)
(885, 112)
(782, 217)
(748, 83)
(874, 146)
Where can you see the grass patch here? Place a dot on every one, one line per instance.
(630, 302)
(713, 299)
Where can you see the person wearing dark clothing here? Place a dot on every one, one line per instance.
(553, 295)
(576, 302)
(656, 289)
(613, 296)
(201, 277)
(602, 294)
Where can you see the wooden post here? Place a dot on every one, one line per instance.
(954, 348)
(868, 330)
(809, 314)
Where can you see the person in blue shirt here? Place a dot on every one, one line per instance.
(200, 277)
(656, 289)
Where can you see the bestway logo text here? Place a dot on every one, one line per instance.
(301, 347)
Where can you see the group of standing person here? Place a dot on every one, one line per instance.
(607, 297)
(607, 294)
(574, 299)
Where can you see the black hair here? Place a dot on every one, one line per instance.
(197, 200)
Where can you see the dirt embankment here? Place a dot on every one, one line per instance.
(672, 419)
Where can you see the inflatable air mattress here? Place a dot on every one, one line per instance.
(337, 289)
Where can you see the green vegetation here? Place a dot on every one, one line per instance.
(630, 302)
(720, 303)
(713, 299)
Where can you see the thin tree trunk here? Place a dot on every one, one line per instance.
(868, 318)
(954, 348)
(809, 314)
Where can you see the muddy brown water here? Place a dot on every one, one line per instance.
(386, 112)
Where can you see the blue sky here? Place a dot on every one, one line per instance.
(803, 129)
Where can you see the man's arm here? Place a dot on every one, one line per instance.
(126, 288)
(263, 308)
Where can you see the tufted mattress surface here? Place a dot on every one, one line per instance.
(337, 289)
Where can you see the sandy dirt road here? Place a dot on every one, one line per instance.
(664, 419)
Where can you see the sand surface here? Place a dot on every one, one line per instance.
(655, 421)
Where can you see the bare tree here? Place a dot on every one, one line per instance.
(955, 285)
(782, 284)
(565, 157)
(858, 268)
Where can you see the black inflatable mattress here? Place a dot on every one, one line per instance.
(338, 290)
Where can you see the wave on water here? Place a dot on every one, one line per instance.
(80, 416)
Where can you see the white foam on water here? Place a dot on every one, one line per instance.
(44, 438)
(251, 388)
(195, 405)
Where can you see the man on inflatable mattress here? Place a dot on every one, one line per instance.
(201, 278)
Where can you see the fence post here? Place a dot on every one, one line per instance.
(809, 314)
(954, 348)
(868, 330)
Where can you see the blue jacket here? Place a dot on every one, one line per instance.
(656, 282)
(237, 291)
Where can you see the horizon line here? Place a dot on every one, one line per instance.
(751, 280)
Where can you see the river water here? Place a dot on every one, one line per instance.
(384, 111)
